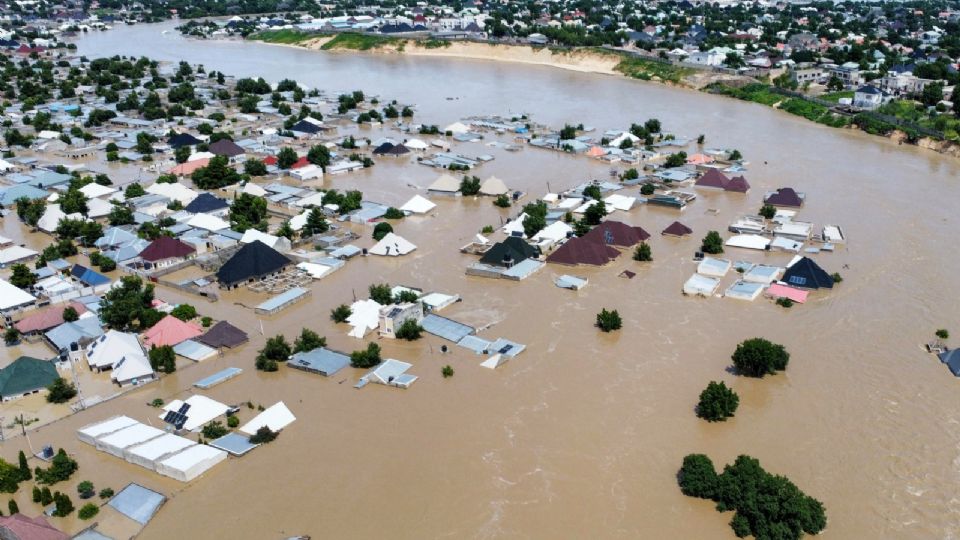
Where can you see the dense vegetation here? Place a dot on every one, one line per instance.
(758, 357)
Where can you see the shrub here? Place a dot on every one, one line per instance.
(60, 391)
(206, 322)
(61, 468)
(942, 333)
(263, 436)
(446, 371)
(642, 253)
(712, 243)
(758, 357)
(85, 489)
(697, 477)
(409, 330)
(106, 493)
(647, 189)
(184, 312)
(275, 350)
(502, 201)
(366, 358)
(233, 421)
(156, 403)
(785, 302)
(381, 293)
(308, 340)
(717, 402)
(63, 503)
(11, 336)
(837, 278)
(13, 507)
(609, 321)
(394, 213)
(381, 229)
(88, 511)
(340, 313)
(214, 430)
(768, 211)
(470, 185)
(487, 229)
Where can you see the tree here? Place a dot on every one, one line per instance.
(470, 185)
(568, 132)
(248, 212)
(698, 477)
(275, 350)
(647, 189)
(595, 212)
(120, 214)
(254, 167)
(340, 313)
(90, 232)
(184, 312)
(36, 495)
(592, 192)
(61, 468)
(712, 243)
(163, 358)
(446, 371)
(678, 159)
(263, 435)
(85, 489)
(717, 402)
(381, 229)
(60, 391)
(394, 213)
(932, 94)
(652, 125)
(106, 493)
(366, 358)
(536, 218)
(30, 211)
(381, 293)
(181, 154)
(88, 511)
(758, 357)
(123, 307)
(308, 340)
(942, 333)
(134, 190)
(609, 321)
(217, 174)
(286, 157)
(22, 277)
(46, 498)
(834, 84)
(319, 155)
(642, 253)
(13, 507)
(767, 211)
(25, 473)
(735, 156)
(11, 336)
(316, 223)
(286, 230)
(409, 330)
(214, 430)
(73, 201)
(70, 314)
(64, 506)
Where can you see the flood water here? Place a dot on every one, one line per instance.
(582, 434)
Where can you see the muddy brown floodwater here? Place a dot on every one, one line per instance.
(582, 434)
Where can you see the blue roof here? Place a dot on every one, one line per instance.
(10, 195)
(72, 332)
(323, 361)
(137, 503)
(45, 179)
(88, 276)
(114, 236)
(952, 360)
(218, 377)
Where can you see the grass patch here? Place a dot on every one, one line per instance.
(357, 42)
(835, 97)
(644, 69)
(287, 36)
(435, 43)
(762, 94)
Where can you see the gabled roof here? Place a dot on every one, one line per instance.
(253, 260)
(183, 139)
(738, 184)
(26, 374)
(206, 202)
(383, 149)
(48, 318)
(226, 147)
(88, 277)
(713, 178)
(808, 275)
(513, 247)
(27, 528)
(616, 233)
(952, 360)
(785, 197)
(677, 229)
(305, 127)
(165, 247)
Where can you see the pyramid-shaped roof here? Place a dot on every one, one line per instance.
(169, 331)
(807, 274)
(165, 247)
(253, 260)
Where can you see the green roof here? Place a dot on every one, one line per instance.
(26, 374)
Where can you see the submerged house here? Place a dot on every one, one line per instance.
(253, 261)
(583, 251)
(785, 197)
(807, 274)
(714, 179)
(166, 251)
(616, 233)
(25, 376)
(509, 252)
(677, 229)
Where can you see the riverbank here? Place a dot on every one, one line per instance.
(610, 62)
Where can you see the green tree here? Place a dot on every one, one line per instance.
(286, 157)
(595, 213)
(214, 430)
(698, 477)
(319, 155)
(217, 174)
(63, 503)
(184, 312)
(25, 473)
(13, 507)
(381, 229)
(73, 201)
(163, 358)
(381, 293)
(642, 253)
(446, 371)
(394, 213)
(341, 313)
(942, 333)
(647, 189)
(592, 192)
(88, 511)
(11, 336)
(366, 358)
(470, 185)
(85, 489)
(134, 190)
(409, 330)
(712, 243)
(263, 435)
(120, 214)
(22, 276)
(308, 340)
(932, 94)
(61, 469)
(717, 402)
(248, 212)
(758, 357)
(181, 154)
(60, 391)
(124, 306)
(767, 211)
(735, 156)
(609, 321)
(46, 498)
(316, 223)
(70, 314)
(275, 350)
(254, 167)
(678, 159)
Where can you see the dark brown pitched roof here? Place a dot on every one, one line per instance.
(677, 229)
(713, 178)
(785, 197)
(583, 251)
(616, 233)
(226, 147)
(738, 184)
(223, 334)
(166, 247)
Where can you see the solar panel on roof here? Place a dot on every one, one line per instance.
(184, 408)
(169, 417)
